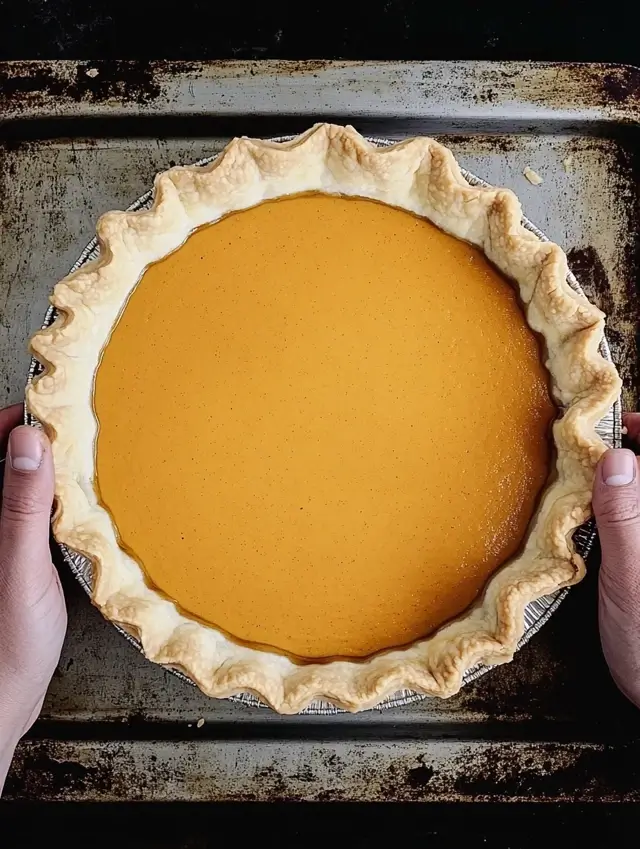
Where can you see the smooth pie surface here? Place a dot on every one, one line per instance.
(323, 425)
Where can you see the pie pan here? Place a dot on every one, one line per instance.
(536, 613)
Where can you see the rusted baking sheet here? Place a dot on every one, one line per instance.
(469, 91)
(77, 139)
(440, 770)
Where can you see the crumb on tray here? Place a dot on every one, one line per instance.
(532, 176)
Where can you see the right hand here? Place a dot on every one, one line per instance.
(616, 504)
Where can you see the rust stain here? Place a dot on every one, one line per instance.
(591, 273)
(419, 777)
(537, 772)
(482, 144)
(54, 770)
(561, 84)
(476, 772)
(33, 83)
(621, 84)
(140, 81)
(43, 775)
(93, 82)
(544, 771)
(272, 67)
(619, 301)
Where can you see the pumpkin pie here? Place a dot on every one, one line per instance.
(323, 420)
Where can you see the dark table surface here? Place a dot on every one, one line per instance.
(563, 30)
(379, 29)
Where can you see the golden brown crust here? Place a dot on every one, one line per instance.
(419, 175)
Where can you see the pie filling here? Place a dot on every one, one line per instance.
(323, 424)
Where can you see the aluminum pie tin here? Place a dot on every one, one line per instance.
(536, 612)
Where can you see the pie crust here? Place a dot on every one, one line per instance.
(421, 176)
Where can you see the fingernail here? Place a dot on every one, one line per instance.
(619, 467)
(25, 449)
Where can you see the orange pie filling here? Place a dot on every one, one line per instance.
(323, 424)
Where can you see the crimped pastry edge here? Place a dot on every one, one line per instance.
(419, 175)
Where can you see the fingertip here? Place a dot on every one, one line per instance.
(28, 474)
(617, 467)
(616, 489)
(10, 418)
(26, 449)
(631, 422)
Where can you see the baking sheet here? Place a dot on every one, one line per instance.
(550, 725)
(536, 613)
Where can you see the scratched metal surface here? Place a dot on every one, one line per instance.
(78, 139)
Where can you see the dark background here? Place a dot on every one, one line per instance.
(550, 30)
(562, 30)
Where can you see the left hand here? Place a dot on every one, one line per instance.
(33, 617)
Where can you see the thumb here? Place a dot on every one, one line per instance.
(616, 504)
(26, 499)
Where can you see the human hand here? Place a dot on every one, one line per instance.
(616, 504)
(33, 617)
